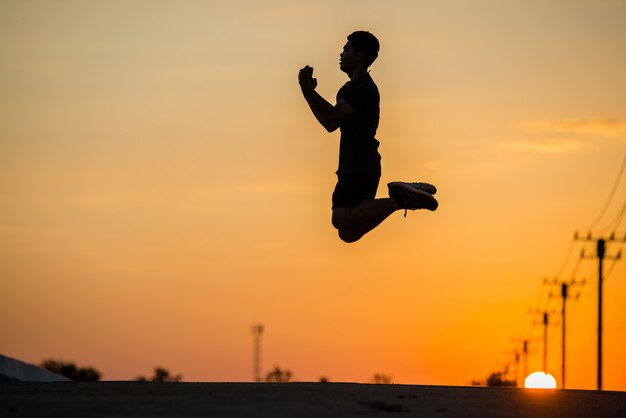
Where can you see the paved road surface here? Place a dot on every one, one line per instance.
(298, 400)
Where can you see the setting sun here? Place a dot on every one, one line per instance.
(540, 380)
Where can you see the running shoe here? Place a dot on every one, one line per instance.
(410, 197)
(428, 188)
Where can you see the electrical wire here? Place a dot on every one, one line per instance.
(567, 257)
(614, 330)
(607, 273)
(615, 223)
(573, 310)
(584, 354)
(531, 313)
(575, 271)
(611, 194)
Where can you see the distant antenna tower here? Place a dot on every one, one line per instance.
(257, 331)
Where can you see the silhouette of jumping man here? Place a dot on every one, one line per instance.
(356, 211)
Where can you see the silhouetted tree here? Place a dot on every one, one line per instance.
(277, 375)
(324, 379)
(161, 375)
(71, 371)
(380, 378)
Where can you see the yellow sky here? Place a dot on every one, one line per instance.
(164, 186)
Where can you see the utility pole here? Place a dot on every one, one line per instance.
(257, 331)
(545, 322)
(601, 255)
(517, 358)
(545, 342)
(522, 357)
(565, 286)
(525, 351)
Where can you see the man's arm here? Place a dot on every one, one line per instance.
(328, 116)
(329, 126)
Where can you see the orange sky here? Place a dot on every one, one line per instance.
(164, 187)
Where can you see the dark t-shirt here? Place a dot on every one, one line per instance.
(358, 148)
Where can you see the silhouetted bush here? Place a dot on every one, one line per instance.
(160, 375)
(380, 378)
(496, 379)
(71, 371)
(278, 376)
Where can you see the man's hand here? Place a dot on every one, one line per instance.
(305, 78)
(324, 112)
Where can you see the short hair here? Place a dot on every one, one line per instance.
(366, 43)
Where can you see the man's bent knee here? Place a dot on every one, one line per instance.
(341, 221)
(349, 236)
(340, 218)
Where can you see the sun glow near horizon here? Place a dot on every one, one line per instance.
(540, 380)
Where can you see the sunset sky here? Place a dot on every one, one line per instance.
(164, 186)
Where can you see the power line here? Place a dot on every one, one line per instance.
(575, 272)
(618, 329)
(583, 357)
(529, 322)
(567, 257)
(611, 194)
(607, 274)
(615, 223)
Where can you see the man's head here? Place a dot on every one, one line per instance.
(365, 43)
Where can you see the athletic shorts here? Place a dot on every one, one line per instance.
(352, 189)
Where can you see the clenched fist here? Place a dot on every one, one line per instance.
(305, 77)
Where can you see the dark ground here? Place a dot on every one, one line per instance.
(295, 400)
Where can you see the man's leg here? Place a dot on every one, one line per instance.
(353, 223)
